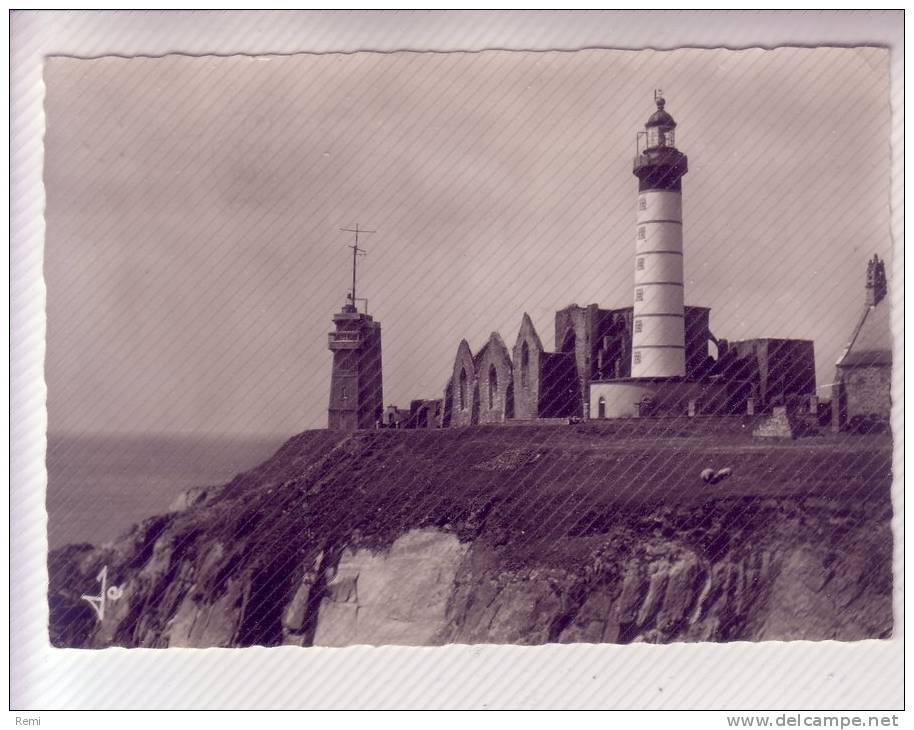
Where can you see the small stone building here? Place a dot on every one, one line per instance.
(425, 413)
(862, 391)
(394, 417)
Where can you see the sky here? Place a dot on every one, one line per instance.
(193, 256)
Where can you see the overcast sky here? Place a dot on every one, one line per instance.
(193, 258)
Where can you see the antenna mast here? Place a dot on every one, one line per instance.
(356, 252)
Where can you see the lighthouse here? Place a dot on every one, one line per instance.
(658, 322)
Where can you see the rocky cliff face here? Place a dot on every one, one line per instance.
(520, 535)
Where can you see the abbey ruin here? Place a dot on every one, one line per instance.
(654, 357)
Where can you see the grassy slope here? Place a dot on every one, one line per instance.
(539, 484)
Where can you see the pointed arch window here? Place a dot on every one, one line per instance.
(601, 407)
(493, 386)
(524, 364)
(462, 391)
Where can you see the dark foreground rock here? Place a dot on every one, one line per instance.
(524, 535)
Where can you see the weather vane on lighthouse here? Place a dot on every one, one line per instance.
(356, 252)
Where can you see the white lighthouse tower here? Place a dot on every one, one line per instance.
(658, 324)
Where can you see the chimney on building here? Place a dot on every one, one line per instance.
(876, 285)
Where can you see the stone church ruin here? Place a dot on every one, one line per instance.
(655, 357)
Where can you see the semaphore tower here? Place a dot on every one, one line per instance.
(658, 331)
(356, 385)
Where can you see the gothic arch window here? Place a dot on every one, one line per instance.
(601, 407)
(493, 386)
(462, 393)
(524, 364)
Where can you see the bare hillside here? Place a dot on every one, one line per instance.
(530, 534)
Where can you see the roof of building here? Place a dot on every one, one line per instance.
(871, 343)
(661, 118)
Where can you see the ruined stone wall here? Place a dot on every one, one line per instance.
(778, 369)
(619, 352)
(447, 404)
(527, 357)
(697, 333)
(791, 369)
(494, 382)
(577, 330)
(560, 391)
(612, 351)
(464, 391)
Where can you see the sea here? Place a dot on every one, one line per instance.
(99, 486)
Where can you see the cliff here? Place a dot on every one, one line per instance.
(587, 533)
